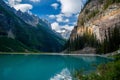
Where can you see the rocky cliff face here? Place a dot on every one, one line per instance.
(32, 20)
(96, 17)
(29, 19)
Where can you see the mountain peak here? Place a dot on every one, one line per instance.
(25, 32)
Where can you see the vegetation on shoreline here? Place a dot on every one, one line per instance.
(111, 42)
(109, 71)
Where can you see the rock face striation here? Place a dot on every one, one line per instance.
(97, 17)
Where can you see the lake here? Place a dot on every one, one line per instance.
(46, 67)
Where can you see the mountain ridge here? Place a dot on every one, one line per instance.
(98, 26)
(95, 15)
(39, 37)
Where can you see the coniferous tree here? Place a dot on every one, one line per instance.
(110, 43)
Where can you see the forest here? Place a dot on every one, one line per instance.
(110, 43)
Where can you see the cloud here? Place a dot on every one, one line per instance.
(59, 18)
(67, 20)
(14, 2)
(18, 6)
(55, 5)
(51, 16)
(70, 10)
(23, 7)
(75, 23)
(69, 7)
(67, 27)
(35, 1)
(57, 27)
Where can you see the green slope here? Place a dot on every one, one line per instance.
(12, 45)
(36, 38)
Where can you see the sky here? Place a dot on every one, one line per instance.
(60, 13)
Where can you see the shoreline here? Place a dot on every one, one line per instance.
(61, 54)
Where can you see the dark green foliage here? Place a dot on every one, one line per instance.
(86, 4)
(93, 14)
(109, 71)
(82, 22)
(111, 42)
(116, 57)
(90, 14)
(101, 1)
(87, 11)
(81, 41)
(39, 38)
(107, 3)
(12, 45)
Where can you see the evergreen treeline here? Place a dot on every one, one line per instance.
(109, 44)
(79, 42)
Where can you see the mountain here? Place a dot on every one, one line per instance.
(65, 33)
(31, 19)
(98, 20)
(98, 16)
(27, 31)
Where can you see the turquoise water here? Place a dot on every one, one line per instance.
(45, 67)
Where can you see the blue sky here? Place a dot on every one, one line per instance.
(60, 13)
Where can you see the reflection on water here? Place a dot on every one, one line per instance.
(45, 67)
(63, 75)
(88, 59)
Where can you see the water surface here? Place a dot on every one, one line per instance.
(46, 67)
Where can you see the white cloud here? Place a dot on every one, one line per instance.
(55, 5)
(57, 27)
(62, 20)
(35, 1)
(59, 19)
(69, 7)
(67, 27)
(18, 6)
(59, 15)
(52, 16)
(67, 20)
(23, 7)
(75, 23)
